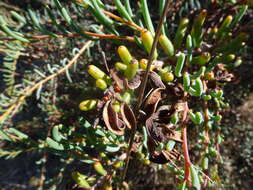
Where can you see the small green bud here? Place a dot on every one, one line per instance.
(95, 72)
(147, 40)
(100, 83)
(88, 105)
(124, 54)
(120, 66)
(144, 63)
(167, 77)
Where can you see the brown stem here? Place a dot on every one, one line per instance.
(143, 85)
(130, 23)
(187, 159)
(100, 36)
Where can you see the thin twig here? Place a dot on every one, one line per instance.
(143, 85)
(22, 98)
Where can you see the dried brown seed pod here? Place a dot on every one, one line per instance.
(112, 122)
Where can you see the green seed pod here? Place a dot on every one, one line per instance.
(167, 77)
(224, 27)
(166, 44)
(147, 40)
(179, 65)
(124, 54)
(201, 59)
(80, 179)
(132, 69)
(88, 105)
(100, 83)
(180, 33)
(196, 31)
(186, 81)
(95, 72)
(195, 178)
(205, 163)
(99, 168)
(120, 66)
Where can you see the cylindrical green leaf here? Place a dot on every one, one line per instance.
(124, 54)
(166, 44)
(95, 72)
(100, 83)
(180, 65)
(132, 69)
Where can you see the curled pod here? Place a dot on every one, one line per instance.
(166, 45)
(128, 116)
(180, 65)
(132, 69)
(112, 122)
(147, 40)
(124, 55)
(95, 72)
